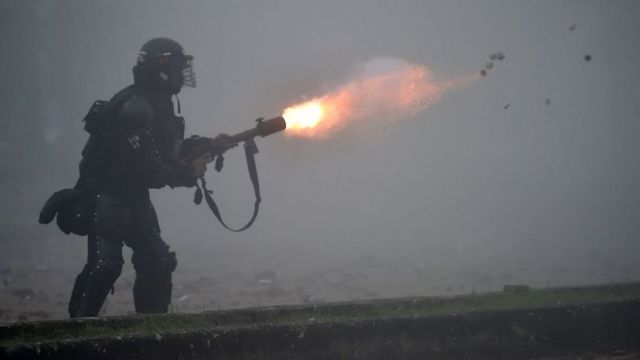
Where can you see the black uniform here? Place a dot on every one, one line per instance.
(133, 146)
(137, 152)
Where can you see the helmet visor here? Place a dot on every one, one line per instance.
(188, 74)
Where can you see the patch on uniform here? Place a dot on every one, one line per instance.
(135, 141)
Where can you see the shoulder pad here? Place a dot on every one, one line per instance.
(136, 112)
(95, 121)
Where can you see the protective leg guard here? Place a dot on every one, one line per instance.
(104, 256)
(92, 286)
(152, 287)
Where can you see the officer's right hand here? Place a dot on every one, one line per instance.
(199, 165)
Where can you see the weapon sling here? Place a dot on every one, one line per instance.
(250, 149)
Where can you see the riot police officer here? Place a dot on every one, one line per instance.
(134, 145)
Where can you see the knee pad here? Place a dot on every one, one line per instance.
(169, 262)
(152, 263)
(109, 267)
(102, 272)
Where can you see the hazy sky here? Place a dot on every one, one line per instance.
(555, 183)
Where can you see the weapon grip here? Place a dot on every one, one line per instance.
(219, 163)
(250, 146)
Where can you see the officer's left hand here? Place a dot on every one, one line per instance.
(223, 141)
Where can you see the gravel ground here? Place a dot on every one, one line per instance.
(38, 266)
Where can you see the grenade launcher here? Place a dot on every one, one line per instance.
(197, 146)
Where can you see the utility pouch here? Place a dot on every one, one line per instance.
(73, 208)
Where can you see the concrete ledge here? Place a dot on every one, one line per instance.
(545, 331)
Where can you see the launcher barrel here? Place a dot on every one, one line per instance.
(264, 128)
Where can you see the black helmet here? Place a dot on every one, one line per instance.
(162, 65)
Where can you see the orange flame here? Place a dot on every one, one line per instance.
(398, 92)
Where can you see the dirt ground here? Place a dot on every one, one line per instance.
(38, 266)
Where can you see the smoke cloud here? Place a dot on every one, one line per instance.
(380, 91)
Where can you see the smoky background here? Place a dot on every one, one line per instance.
(529, 175)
